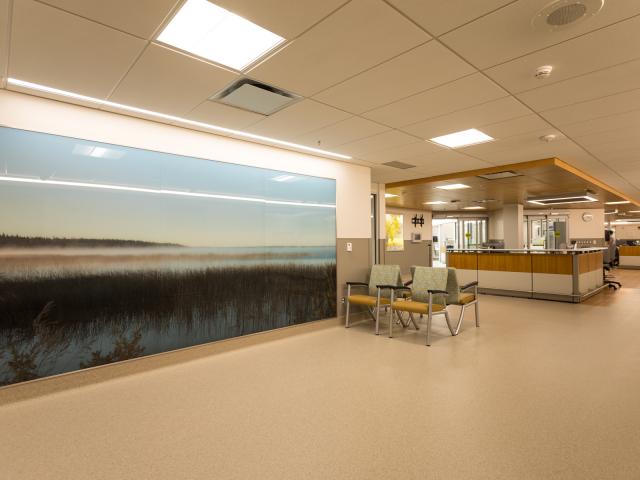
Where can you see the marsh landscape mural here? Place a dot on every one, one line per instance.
(109, 253)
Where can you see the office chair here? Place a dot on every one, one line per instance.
(608, 260)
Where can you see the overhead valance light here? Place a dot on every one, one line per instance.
(582, 197)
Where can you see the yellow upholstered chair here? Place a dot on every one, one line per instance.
(373, 297)
(428, 297)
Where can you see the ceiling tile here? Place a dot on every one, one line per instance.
(283, 17)
(516, 126)
(348, 130)
(610, 81)
(61, 50)
(592, 109)
(438, 17)
(600, 49)
(594, 127)
(525, 140)
(300, 118)
(409, 152)
(166, 81)
(507, 33)
(424, 67)
(360, 35)
(521, 148)
(460, 94)
(218, 114)
(474, 117)
(142, 20)
(389, 139)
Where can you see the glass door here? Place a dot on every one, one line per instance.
(474, 232)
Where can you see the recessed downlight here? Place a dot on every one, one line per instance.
(463, 138)
(437, 202)
(209, 31)
(453, 186)
(390, 195)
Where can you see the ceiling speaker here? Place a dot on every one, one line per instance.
(561, 14)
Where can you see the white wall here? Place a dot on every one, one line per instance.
(353, 182)
(627, 232)
(408, 227)
(496, 225)
(578, 228)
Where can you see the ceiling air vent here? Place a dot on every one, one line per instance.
(255, 96)
(499, 175)
(564, 13)
(563, 199)
(400, 165)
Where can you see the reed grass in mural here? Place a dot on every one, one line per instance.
(89, 278)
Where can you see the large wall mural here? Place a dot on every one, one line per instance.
(109, 253)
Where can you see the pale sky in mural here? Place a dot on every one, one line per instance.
(73, 212)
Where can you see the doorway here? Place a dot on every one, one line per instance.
(454, 233)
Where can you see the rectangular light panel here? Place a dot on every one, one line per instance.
(211, 32)
(453, 186)
(462, 139)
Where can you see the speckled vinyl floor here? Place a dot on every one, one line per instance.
(542, 390)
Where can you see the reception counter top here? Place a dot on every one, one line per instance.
(564, 275)
(629, 256)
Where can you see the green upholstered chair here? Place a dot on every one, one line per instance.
(428, 297)
(374, 297)
(462, 295)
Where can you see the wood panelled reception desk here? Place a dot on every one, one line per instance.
(565, 275)
(629, 256)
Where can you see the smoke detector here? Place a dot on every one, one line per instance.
(561, 14)
(549, 138)
(543, 72)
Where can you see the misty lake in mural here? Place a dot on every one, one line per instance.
(109, 253)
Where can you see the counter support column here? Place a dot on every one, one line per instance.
(513, 217)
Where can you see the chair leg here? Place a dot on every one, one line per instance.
(377, 319)
(391, 316)
(429, 317)
(346, 322)
(477, 313)
(460, 318)
(446, 317)
(413, 320)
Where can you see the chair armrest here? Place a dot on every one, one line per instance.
(358, 284)
(442, 292)
(468, 285)
(393, 287)
(406, 284)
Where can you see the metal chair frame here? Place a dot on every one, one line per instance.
(473, 285)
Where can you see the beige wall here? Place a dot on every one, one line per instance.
(408, 228)
(353, 182)
(627, 232)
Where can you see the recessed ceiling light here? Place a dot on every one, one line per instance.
(621, 202)
(390, 195)
(173, 119)
(462, 139)
(211, 32)
(477, 207)
(437, 202)
(453, 186)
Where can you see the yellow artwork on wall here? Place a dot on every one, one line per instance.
(395, 234)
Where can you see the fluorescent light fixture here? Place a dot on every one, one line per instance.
(390, 195)
(621, 202)
(436, 202)
(453, 186)
(633, 211)
(564, 199)
(171, 118)
(477, 207)
(211, 32)
(462, 139)
(613, 212)
(284, 178)
(160, 191)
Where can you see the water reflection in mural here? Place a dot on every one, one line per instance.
(109, 253)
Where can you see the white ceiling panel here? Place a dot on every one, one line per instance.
(388, 139)
(460, 94)
(283, 17)
(514, 143)
(592, 128)
(507, 33)
(516, 126)
(424, 67)
(142, 20)
(360, 35)
(166, 81)
(348, 130)
(610, 81)
(61, 50)
(298, 119)
(438, 16)
(600, 49)
(474, 117)
(523, 150)
(592, 109)
(410, 153)
(218, 114)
